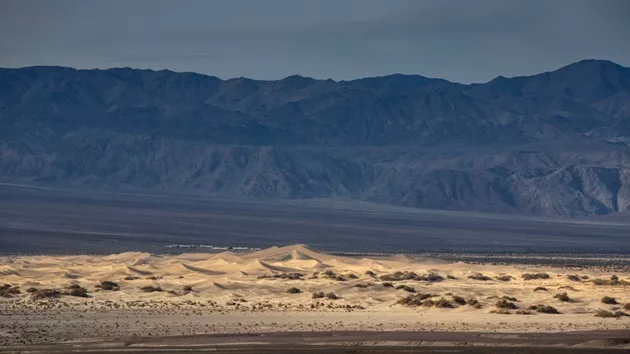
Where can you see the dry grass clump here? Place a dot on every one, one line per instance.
(473, 302)
(293, 291)
(626, 307)
(609, 300)
(479, 276)
(441, 303)
(329, 296)
(187, 288)
(450, 277)
(614, 280)
(76, 290)
(399, 276)
(608, 314)
(501, 312)
(533, 276)
(459, 300)
(108, 285)
(332, 296)
(45, 294)
(414, 300)
(504, 277)
(544, 309)
(131, 277)
(573, 277)
(406, 288)
(9, 291)
(370, 273)
(284, 276)
(540, 288)
(523, 312)
(564, 297)
(31, 290)
(329, 274)
(151, 289)
(509, 298)
(388, 285)
(505, 304)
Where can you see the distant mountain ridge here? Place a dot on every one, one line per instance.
(556, 143)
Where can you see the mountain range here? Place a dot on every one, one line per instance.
(556, 143)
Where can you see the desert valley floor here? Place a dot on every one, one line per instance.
(74, 299)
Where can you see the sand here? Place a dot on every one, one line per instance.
(247, 293)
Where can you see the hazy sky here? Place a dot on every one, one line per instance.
(459, 40)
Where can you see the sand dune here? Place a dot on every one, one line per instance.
(257, 284)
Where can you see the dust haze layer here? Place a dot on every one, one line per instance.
(554, 144)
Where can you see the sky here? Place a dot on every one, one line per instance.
(458, 40)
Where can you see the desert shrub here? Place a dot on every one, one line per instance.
(187, 288)
(614, 280)
(450, 277)
(626, 307)
(504, 277)
(108, 285)
(152, 278)
(406, 288)
(472, 302)
(504, 304)
(31, 290)
(414, 300)
(7, 290)
(77, 290)
(431, 277)
(608, 314)
(444, 303)
(459, 300)
(352, 276)
(319, 295)
(479, 276)
(370, 273)
(532, 276)
(44, 294)
(540, 288)
(291, 276)
(388, 285)
(509, 298)
(441, 303)
(501, 312)
(151, 289)
(363, 285)
(609, 300)
(399, 276)
(293, 291)
(340, 278)
(573, 277)
(564, 297)
(329, 273)
(332, 296)
(523, 312)
(544, 309)
(130, 277)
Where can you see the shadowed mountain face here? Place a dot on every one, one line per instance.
(556, 143)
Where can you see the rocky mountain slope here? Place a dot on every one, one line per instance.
(556, 143)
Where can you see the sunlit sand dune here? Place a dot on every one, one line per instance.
(381, 293)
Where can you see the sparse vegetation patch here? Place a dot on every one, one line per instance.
(533, 276)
